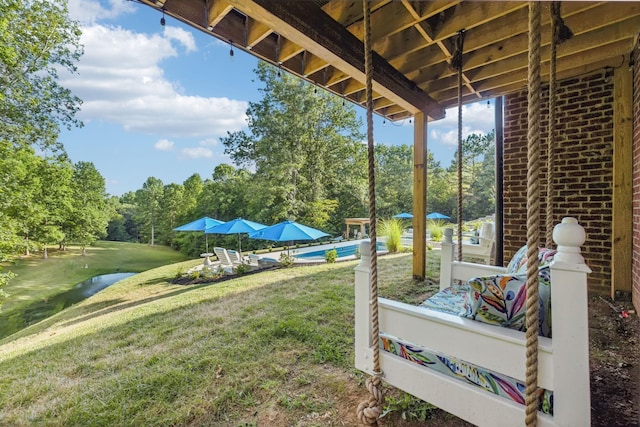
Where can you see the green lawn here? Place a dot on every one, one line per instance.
(270, 349)
(39, 278)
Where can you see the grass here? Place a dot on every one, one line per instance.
(268, 349)
(37, 278)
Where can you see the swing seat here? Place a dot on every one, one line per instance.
(472, 335)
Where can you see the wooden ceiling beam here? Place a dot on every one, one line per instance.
(218, 9)
(319, 34)
(256, 32)
(503, 29)
(603, 53)
(382, 103)
(582, 70)
(314, 64)
(444, 46)
(474, 14)
(512, 54)
(352, 86)
(582, 44)
(343, 12)
(385, 21)
(515, 23)
(335, 76)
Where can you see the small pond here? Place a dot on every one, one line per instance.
(16, 320)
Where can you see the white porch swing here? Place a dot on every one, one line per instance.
(397, 343)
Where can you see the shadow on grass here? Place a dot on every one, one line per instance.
(118, 305)
(109, 307)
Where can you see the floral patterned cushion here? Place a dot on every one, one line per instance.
(518, 264)
(501, 300)
(451, 300)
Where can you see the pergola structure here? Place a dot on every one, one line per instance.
(321, 41)
(362, 223)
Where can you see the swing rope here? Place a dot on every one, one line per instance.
(533, 215)
(370, 410)
(456, 64)
(559, 33)
(554, 11)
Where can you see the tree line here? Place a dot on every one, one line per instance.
(302, 158)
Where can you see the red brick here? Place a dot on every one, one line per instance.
(582, 168)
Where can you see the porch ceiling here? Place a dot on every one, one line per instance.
(321, 41)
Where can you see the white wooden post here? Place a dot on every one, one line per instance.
(446, 259)
(363, 328)
(571, 393)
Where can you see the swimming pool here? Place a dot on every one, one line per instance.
(343, 251)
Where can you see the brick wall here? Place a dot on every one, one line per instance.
(636, 182)
(583, 168)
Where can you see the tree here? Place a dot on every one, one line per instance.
(53, 200)
(478, 186)
(394, 179)
(116, 229)
(441, 188)
(37, 39)
(89, 215)
(16, 197)
(193, 187)
(171, 207)
(303, 144)
(148, 202)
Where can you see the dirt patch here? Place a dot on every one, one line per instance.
(614, 363)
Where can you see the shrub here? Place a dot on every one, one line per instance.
(286, 260)
(392, 230)
(331, 255)
(436, 229)
(243, 269)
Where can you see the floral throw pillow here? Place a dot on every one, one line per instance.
(501, 300)
(518, 264)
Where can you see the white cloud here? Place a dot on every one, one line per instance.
(120, 81)
(185, 38)
(477, 118)
(476, 115)
(89, 11)
(449, 136)
(197, 153)
(164, 145)
(210, 142)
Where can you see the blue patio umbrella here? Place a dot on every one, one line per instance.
(437, 215)
(237, 226)
(403, 215)
(288, 231)
(200, 224)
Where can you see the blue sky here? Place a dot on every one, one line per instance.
(157, 99)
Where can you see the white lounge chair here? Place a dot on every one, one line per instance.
(254, 260)
(485, 246)
(236, 257)
(223, 257)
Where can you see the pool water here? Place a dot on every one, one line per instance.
(343, 251)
